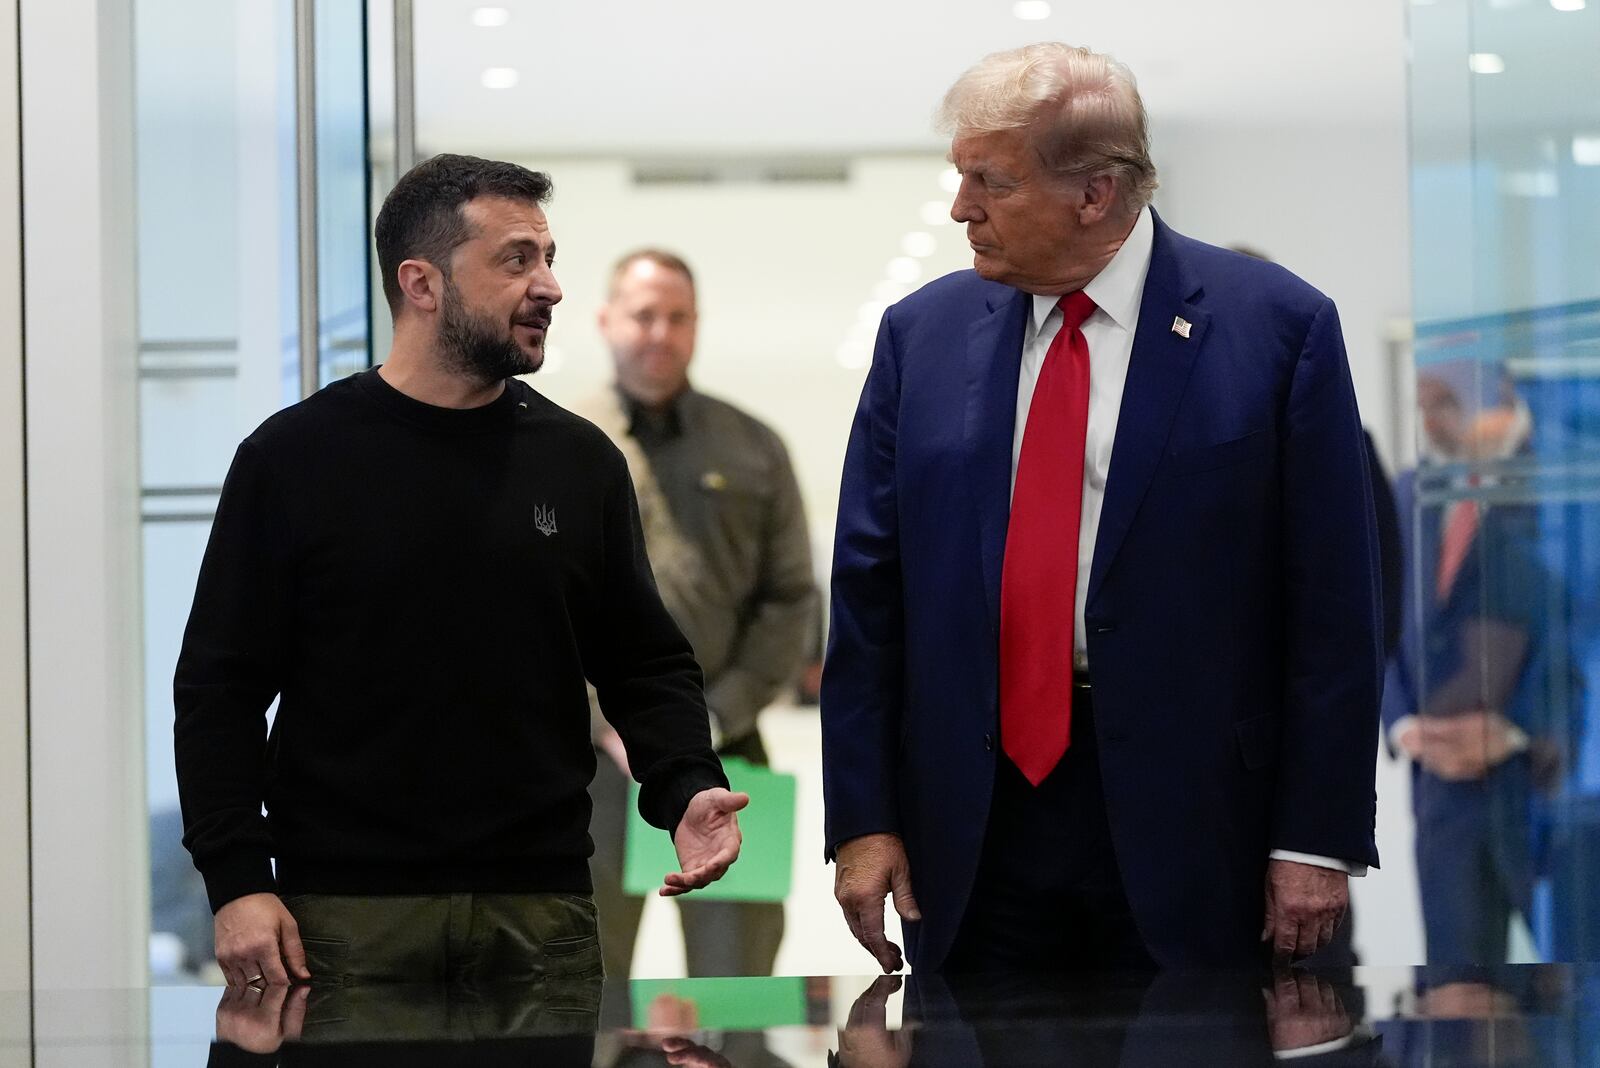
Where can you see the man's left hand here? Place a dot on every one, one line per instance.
(261, 1019)
(707, 840)
(1304, 905)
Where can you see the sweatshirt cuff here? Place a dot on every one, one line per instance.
(227, 1055)
(664, 799)
(237, 874)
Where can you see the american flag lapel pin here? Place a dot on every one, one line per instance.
(1181, 327)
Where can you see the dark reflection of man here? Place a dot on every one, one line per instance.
(1106, 1020)
(399, 1025)
(1474, 697)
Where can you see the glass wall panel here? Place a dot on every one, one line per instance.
(1500, 667)
(218, 305)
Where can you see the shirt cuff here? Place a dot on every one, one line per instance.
(1334, 1046)
(1515, 735)
(1401, 725)
(1350, 868)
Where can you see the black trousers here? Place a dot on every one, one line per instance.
(1048, 895)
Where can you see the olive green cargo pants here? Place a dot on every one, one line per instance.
(469, 939)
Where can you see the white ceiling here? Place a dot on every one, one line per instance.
(682, 77)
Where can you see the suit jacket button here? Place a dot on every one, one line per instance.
(988, 743)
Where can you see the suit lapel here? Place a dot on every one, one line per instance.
(1158, 373)
(994, 365)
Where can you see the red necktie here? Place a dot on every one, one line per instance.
(1039, 581)
(1460, 527)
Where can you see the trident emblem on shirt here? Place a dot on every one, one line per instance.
(544, 519)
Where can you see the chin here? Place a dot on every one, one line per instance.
(988, 269)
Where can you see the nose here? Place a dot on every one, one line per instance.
(965, 208)
(543, 287)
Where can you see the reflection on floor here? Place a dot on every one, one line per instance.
(1510, 1016)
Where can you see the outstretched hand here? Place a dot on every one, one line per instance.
(707, 841)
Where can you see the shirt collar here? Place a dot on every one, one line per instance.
(665, 422)
(1117, 288)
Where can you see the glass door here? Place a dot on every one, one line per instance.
(221, 95)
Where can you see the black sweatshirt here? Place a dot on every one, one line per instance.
(427, 589)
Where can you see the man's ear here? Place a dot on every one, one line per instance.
(1099, 199)
(421, 285)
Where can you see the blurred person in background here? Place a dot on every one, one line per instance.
(727, 538)
(1478, 697)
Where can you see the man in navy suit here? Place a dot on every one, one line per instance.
(1102, 683)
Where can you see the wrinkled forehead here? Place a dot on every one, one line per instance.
(502, 220)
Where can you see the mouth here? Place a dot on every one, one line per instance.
(535, 327)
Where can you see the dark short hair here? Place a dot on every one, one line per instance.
(421, 217)
(659, 257)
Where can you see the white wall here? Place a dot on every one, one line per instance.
(90, 882)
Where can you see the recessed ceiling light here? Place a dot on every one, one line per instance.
(918, 243)
(1486, 63)
(950, 180)
(935, 213)
(490, 17)
(1569, 5)
(499, 78)
(1031, 10)
(1586, 150)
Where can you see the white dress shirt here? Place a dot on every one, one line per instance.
(1117, 292)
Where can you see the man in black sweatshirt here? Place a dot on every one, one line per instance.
(423, 563)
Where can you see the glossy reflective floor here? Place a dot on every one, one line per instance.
(1518, 1015)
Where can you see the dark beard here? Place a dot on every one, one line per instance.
(472, 345)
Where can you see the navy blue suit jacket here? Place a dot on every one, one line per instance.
(1232, 612)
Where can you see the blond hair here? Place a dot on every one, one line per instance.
(1082, 107)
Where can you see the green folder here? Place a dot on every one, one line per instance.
(765, 868)
(743, 1003)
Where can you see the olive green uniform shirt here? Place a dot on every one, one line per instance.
(745, 596)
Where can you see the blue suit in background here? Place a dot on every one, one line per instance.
(1479, 842)
(1232, 616)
